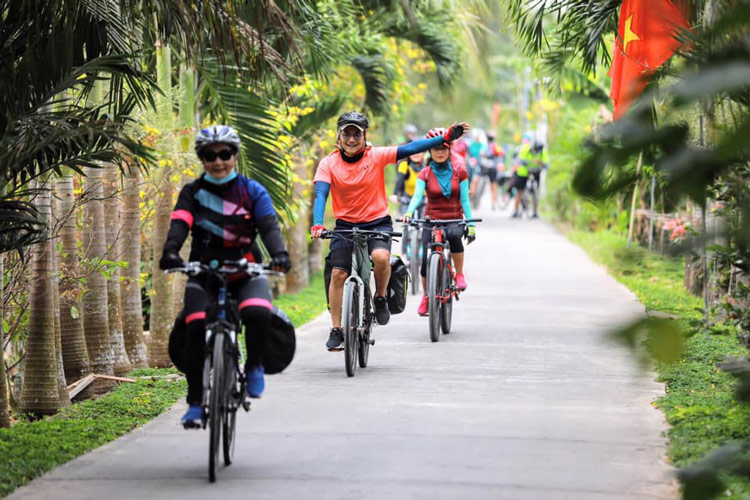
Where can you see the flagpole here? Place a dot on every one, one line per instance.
(635, 196)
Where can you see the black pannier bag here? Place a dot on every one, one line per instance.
(280, 348)
(398, 286)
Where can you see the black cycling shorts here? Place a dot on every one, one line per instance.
(518, 183)
(452, 233)
(341, 249)
(490, 173)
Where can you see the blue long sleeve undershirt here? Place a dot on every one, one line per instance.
(419, 190)
(415, 147)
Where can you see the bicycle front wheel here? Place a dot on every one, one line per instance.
(350, 323)
(364, 341)
(231, 390)
(215, 407)
(446, 309)
(434, 288)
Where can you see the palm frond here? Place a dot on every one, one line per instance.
(228, 99)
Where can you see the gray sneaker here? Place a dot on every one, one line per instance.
(335, 340)
(382, 314)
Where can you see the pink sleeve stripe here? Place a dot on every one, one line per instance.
(195, 317)
(184, 216)
(256, 302)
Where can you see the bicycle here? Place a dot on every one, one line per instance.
(357, 313)
(224, 382)
(441, 277)
(531, 193)
(411, 246)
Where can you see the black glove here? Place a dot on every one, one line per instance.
(281, 261)
(170, 260)
(455, 132)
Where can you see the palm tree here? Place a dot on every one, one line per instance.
(40, 391)
(132, 312)
(113, 238)
(4, 413)
(95, 315)
(162, 316)
(75, 356)
(62, 386)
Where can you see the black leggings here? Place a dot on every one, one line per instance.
(452, 233)
(253, 298)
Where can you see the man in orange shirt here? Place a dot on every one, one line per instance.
(354, 175)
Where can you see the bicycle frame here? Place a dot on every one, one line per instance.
(361, 272)
(441, 245)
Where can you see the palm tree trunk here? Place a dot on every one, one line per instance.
(161, 317)
(40, 393)
(95, 314)
(4, 413)
(299, 276)
(62, 387)
(132, 308)
(111, 230)
(75, 356)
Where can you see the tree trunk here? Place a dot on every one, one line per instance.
(4, 413)
(132, 308)
(40, 394)
(75, 356)
(62, 386)
(299, 276)
(111, 230)
(95, 314)
(161, 317)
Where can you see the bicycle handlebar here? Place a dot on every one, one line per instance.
(326, 235)
(439, 222)
(226, 267)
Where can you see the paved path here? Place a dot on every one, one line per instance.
(524, 400)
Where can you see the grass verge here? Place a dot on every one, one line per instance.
(31, 448)
(700, 403)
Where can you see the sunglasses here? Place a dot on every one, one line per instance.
(356, 135)
(224, 154)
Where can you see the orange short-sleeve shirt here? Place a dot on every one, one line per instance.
(358, 189)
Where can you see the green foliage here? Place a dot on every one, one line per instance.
(30, 448)
(306, 304)
(701, 403)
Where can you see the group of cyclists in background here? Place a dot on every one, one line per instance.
(440, 177)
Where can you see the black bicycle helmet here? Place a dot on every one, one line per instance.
(537, 146)
(353, 118)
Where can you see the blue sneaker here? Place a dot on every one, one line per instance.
(193, 418)
(256, 384)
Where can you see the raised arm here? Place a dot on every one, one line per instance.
(456, 131)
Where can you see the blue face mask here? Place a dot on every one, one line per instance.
(444, 175)
(226, 179)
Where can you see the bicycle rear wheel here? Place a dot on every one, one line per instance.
(414, 261)
(215, 409)
(434, 288)
(446, 310)
(349, 323)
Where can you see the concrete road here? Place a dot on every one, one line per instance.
(525, 399)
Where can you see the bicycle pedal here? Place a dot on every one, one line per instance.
(371, 341)
(246, 403)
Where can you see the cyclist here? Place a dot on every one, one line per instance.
(410, 132)
(225, 212)
(532, 157)
(493, 156)
(447, 189)
(406, 178)
(354, 175)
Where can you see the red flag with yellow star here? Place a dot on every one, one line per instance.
(646, 39)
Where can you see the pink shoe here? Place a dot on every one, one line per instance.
(461, 282)
(422, 309)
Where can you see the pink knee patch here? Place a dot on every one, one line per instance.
(256, 302)
(195, 316)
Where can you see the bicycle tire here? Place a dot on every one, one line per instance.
(414, 261)
(446, 309)
(364, 342)
(229, 419)
(215, 410)
(433, 289)
(349, 324)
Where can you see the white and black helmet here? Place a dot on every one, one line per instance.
(217, 134)
(354, 118)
